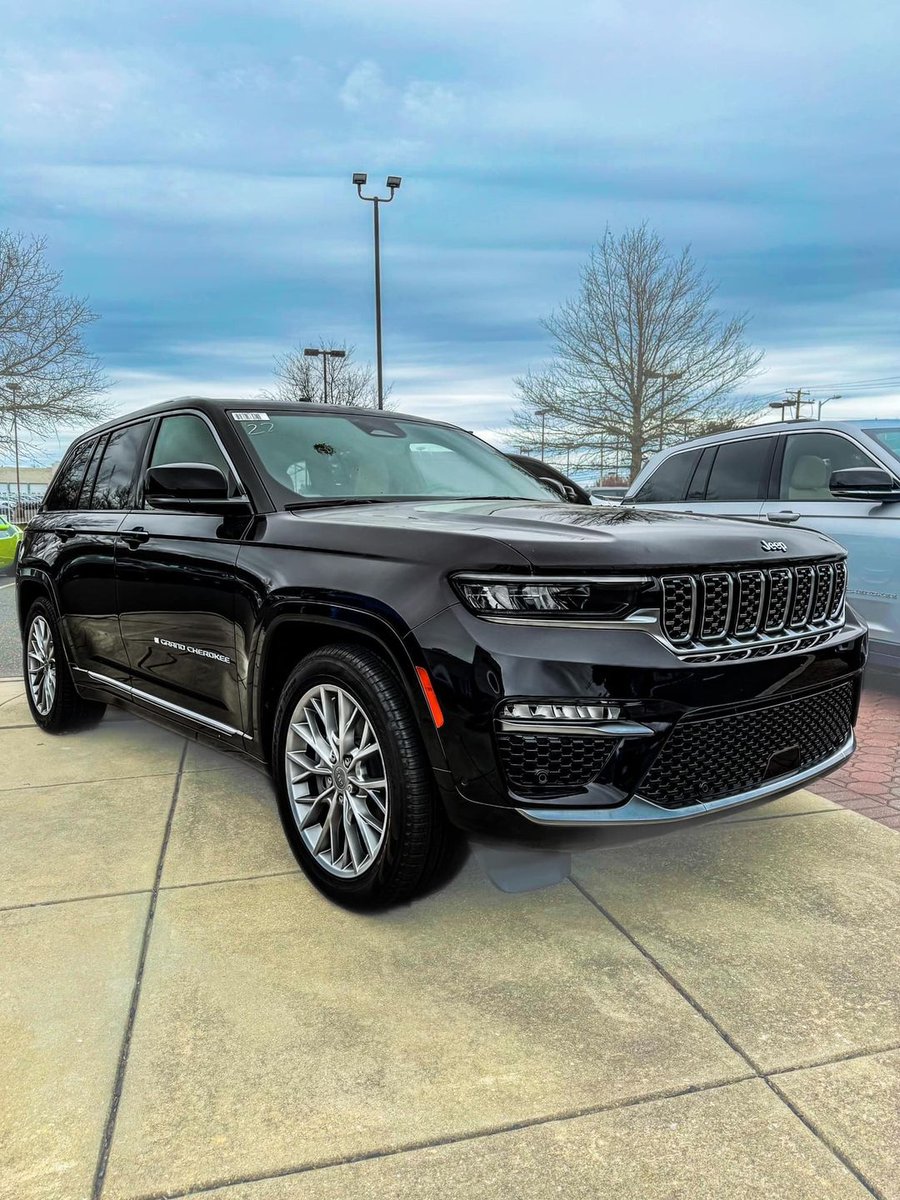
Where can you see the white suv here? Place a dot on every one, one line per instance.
(839, 477)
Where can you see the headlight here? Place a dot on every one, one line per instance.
(551, 599)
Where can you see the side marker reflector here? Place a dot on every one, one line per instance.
(433, 705)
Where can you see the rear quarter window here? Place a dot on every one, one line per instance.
(669, 482)
(66, 486)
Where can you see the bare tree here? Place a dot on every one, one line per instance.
(642, 359)
(300, 377)
(47, 377)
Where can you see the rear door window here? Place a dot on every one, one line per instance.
(114, 488)
(669, 482)
(741, 470)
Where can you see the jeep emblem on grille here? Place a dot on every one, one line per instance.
(782, 546)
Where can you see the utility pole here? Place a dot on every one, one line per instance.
(796, 398)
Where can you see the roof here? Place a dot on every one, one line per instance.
(789, 427)
(211, 404)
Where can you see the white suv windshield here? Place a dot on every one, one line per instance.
(307, 456)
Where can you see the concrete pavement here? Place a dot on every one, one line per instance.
(714, 1014)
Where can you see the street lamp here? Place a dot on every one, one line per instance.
(822, 403)
(314, 352)
(782, 404)
(542, 413)
(14, 389)
(664, 377)
(392, 183)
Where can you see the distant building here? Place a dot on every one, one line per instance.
(33, 480)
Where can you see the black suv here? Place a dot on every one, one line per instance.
(416, 635)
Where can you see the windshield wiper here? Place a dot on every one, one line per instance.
(337, 502)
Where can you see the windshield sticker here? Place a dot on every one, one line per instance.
(249, 416)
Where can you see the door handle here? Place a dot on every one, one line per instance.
(64, 533)
(785, 517)
(134, 537)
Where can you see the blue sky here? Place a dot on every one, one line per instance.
(190, 162)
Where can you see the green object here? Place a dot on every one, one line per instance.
(10, 540)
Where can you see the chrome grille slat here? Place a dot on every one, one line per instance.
(748, 612)
(779, 599)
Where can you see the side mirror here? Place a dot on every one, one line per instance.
(190, 486)
(864, 483)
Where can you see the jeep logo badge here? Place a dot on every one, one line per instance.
(782, 546)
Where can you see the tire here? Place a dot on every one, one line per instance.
(55, 704)
(375, 868)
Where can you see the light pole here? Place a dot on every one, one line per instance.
(782, 404)
(822, 403)
(392, 183)
(14, 389)
(664, 377)
(314, 352)
(542, 413)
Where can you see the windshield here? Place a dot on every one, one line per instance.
(314, 457)
(889, 438)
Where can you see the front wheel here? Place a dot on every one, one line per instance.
(55, 704)
(355, 791)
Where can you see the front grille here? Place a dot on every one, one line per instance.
(549, 762)
(706, 758)
(723, 611)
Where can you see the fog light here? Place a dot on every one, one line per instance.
(561, 712)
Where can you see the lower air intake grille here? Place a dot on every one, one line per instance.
(548, 763)
(708, 758)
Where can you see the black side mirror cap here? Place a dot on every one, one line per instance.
(864, 483)
(196, 486)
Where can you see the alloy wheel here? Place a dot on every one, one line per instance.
(41, 657)
(336, 780)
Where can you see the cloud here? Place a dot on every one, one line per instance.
(364, 87)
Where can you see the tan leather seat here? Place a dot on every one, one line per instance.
(809, 479)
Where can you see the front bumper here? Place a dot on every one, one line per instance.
(477, 667)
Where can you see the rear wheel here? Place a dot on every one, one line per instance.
(55, 704)
(356, 795)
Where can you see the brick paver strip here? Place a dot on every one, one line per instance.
(870, 782)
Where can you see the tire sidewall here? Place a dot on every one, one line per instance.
(322, 670)
(50, 720)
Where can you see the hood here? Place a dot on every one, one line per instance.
(557, 535)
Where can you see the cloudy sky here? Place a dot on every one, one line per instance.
(189, 163)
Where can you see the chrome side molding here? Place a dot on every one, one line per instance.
(134, 693)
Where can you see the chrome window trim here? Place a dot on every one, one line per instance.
(134, 693)
(638, 811)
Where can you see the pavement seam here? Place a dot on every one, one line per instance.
(73, 899)
(825, 1140)
(671, 980)
(165, 887)
(726, 1037)
(451, 1140)
(122, 1065)
(848, 1056)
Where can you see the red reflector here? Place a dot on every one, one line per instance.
(436, 715)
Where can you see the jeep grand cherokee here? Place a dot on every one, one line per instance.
(415, 635)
